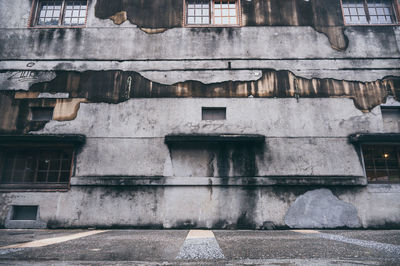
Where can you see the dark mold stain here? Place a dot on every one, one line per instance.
(325, 16)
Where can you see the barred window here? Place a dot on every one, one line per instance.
(364, 12)
(32, 167)
(382, 163)
(212, 12)
(60, 13)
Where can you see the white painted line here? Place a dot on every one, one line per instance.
(389, 248)
(54, 240)
(200, 244)
(306, 231)
(200, 234)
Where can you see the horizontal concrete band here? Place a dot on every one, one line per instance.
(178, 70)
(218, 181)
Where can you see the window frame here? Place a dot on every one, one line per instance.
(34, 16)
(396, 11)
(37, 186)
(211, 25)
(380, 144)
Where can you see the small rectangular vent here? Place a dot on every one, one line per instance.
(42, 113)
(213, 113)
(24, 212)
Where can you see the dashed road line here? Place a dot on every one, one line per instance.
(52, 241)
(389, 248)
(200, 244)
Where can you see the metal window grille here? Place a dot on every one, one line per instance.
(368, 11)
(36, 166)
(225, 12)
(61, 13)
(382, 163)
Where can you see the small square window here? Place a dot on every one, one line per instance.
(25, 213)
(54, 13)
(41, 113)
(213, 113)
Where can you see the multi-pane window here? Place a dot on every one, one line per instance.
(61, 13)
(35, 166)
(225, 12)
(212, 12)
(369, 12)
(382, 163)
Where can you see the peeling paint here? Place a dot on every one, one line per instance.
(323, 15)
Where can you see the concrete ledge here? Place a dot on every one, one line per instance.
(218, 181)
(179, 138)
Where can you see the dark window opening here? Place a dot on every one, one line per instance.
(364, 12)
(382, 163)
(36, 166)
(60, 13)
(24, 212)
(42, 113)
(213, 113)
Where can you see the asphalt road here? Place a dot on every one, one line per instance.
(199, 247)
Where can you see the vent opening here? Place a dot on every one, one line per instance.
(42, 113)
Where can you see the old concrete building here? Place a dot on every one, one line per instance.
(255, 114)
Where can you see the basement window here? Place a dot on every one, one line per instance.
(369, 12)
(35, 167)
(59, 13)
(212, 12)
(24, 213)
(382, 163)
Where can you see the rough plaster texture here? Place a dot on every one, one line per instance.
(22, 80)
(321, 209)
(151, 118)
(317, 140)
(210, 207)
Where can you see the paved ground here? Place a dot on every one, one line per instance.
(199, 247)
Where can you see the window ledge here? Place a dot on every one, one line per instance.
(218, 181)
(179, 138)
(370, 138)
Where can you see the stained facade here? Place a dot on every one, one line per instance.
(231, 114)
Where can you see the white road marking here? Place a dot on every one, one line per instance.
(200, 244)
(395, 249)
(52, 241)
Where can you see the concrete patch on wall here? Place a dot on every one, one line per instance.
(321, 209)
(22, 80)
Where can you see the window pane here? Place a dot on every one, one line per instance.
(382, 163)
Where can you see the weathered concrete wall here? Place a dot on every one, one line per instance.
(285, 49)
(212, 207)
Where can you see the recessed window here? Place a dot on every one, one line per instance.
(60, 13)
(364, 12)
(391, 119)
(213, 113)
(382, 163)
(212, 12)
(41, 114)
(35, 166)
(25, 213)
